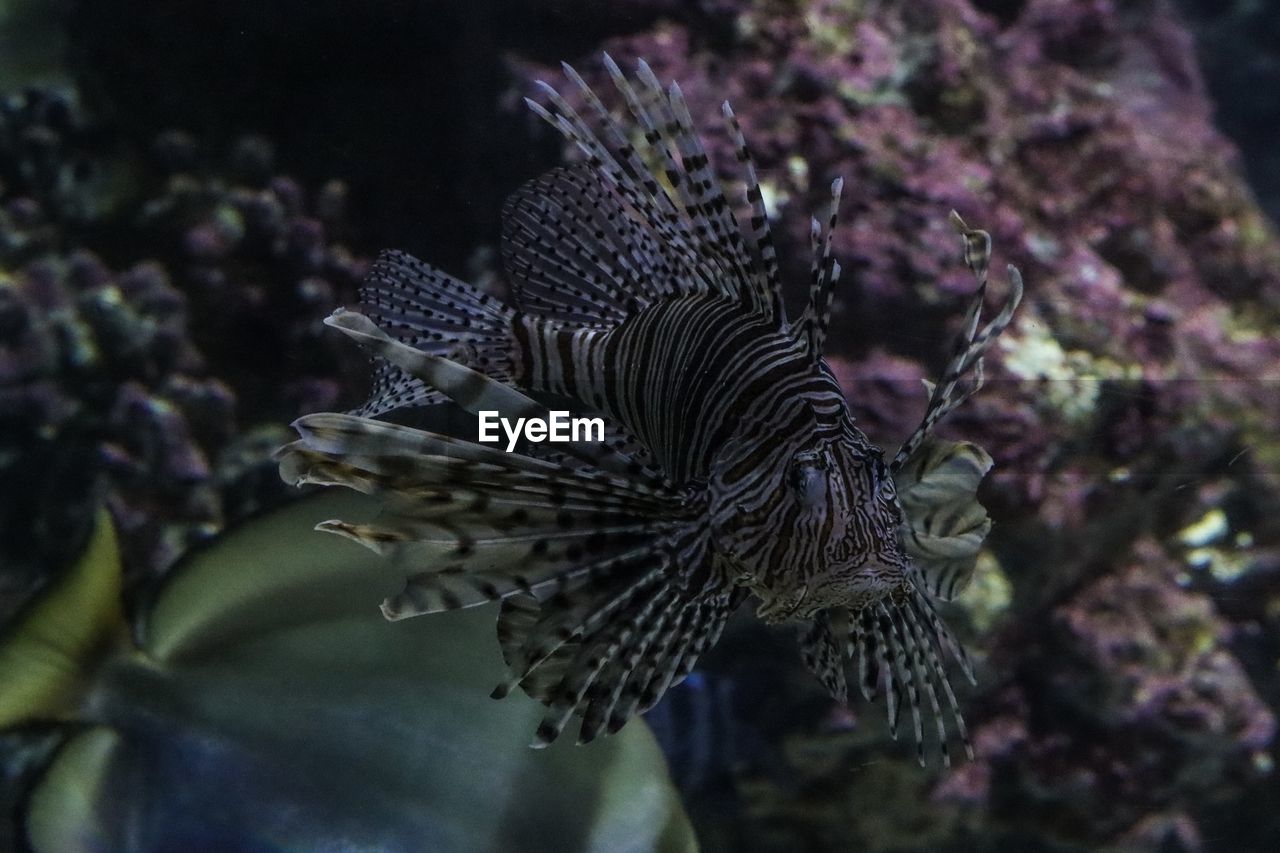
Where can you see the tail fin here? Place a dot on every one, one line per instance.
(436, 313)
(48, 653)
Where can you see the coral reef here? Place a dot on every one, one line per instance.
(1129, 707)
(262, 258)
(58, 168)
(1142, 364)
(127, 384)
(99, 379)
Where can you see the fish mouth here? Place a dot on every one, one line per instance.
(783, 608)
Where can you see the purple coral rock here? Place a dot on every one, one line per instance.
(206, 242)
(886, 394)
(288, 193)
(1080, 135)
(1131, 705)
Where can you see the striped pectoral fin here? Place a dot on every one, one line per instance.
(702, 620)
(577, 643)
(624, 675)
(628, 668)
(944, 526)
(485, 566)
(599, 668)
(655, 669)
(436, 469)
(300, 465)
(825, 651)
(607, 648)
(537, 630)
(489, 525)
(439, 489)
(680, 628)
(455, 588)
(468, 388)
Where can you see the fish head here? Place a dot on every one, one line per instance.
(821, 528)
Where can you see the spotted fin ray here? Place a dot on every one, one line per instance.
(492, 523)
(668, 224)
(608, 587)
(823, 649)
(607, 657)
(576, 253)
(962, 377)
(429, 310)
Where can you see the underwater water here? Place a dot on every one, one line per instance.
(188, 191)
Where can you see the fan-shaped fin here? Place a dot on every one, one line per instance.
(490, 524)
(431, 311)
(943, 523)
(577, 252)
(474, 392)
(654, 173)
(610, 646)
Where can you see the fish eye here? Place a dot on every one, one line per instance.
(808, 479)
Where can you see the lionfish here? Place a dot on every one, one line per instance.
(731, 466)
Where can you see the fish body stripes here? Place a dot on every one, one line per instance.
(680, 375)
(730, 467)
(560, 359)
